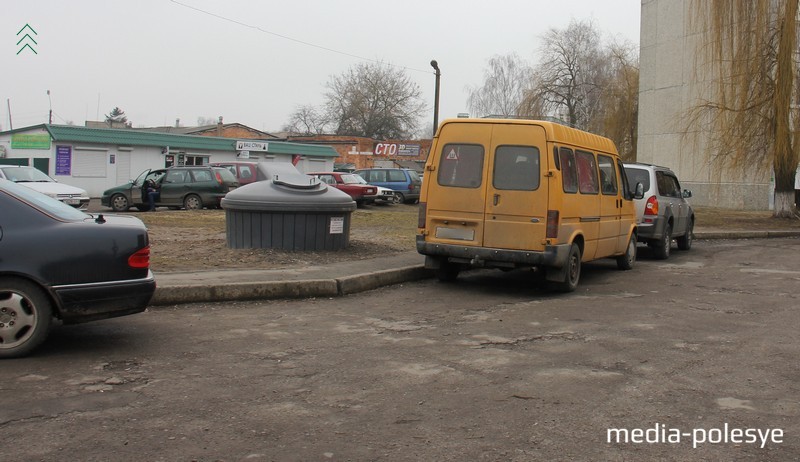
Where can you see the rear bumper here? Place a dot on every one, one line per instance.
(88, 302)
(649, 231)
(554, 256)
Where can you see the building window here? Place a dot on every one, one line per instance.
(196, 160)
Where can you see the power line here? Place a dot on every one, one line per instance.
(286, 37)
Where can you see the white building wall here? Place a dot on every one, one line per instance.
(97, 167)
(669, 85)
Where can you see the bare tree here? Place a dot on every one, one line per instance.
(506, 81)
(374, 100)
(306, 120)
(569, 76)
(752, 46)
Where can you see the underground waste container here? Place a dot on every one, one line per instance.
(288, 211)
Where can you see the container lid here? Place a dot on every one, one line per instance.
(287, 190)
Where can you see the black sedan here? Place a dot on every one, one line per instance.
(58, 262)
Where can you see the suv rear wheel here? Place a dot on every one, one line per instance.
(662, 246)
(685, 241)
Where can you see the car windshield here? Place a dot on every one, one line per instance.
(42, 202)
(26, 175)
(352, 179)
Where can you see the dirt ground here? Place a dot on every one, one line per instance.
(195, 240)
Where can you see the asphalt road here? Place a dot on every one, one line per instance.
(697, 355)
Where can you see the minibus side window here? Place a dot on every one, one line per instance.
(587, 172)
(461, 165)
(516, 167)
(608, 175)
(569, 175)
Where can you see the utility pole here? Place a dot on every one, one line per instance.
(10, 124)
(50, 119)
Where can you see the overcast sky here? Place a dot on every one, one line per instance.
(161, 60)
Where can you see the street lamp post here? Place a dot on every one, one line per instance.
(50, 118)
(435, 66)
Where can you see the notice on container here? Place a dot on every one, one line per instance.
(337, 225)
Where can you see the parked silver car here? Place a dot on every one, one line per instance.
(663, 213)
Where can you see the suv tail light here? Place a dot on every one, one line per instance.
(651, 206)
(411, 187)
(422, 216)
(140, 259)
(219, 178)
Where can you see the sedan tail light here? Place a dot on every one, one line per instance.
(140, 259)
(651, 206)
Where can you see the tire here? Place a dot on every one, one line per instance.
(25, 317)
(685, 241)
(573, 276)
(447, 272)
(119, 203)
(662, 246)
(401, 199)
(193, 202)
(395, 199)
(625, 262)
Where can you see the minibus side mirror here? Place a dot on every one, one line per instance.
(687, 194)
(639, 191)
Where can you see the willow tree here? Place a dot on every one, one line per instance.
(751, 47)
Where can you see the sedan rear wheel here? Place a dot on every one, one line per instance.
(25, 317)
(119, 203)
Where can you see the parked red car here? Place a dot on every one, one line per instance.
(354, 185)
(245, 172)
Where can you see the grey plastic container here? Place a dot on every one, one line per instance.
(288, 211)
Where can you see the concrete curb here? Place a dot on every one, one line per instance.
(745, 234)
(174, 295)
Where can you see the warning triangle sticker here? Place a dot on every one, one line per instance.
(452, 155)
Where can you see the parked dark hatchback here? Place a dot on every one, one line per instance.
(56, 261)
(189, 187)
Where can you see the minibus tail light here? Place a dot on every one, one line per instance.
(423, 211)
(651, 206)
(552, 224)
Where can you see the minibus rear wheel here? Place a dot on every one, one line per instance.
(573, 271)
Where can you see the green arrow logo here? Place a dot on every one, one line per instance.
(27, 38)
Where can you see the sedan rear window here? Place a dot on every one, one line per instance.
(46, 204)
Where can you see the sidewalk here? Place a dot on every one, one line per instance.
(346, 277)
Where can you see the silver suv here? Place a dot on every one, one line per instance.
(663, 213)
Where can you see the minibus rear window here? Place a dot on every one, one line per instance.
(461, 165)
(516, 168)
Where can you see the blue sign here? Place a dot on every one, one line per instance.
(64, 160)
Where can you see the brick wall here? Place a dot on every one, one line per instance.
(361, 151)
